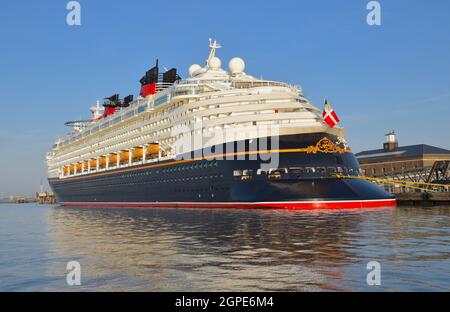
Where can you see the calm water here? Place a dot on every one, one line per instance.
(233, 250)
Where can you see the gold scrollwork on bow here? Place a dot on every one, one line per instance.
(325, 145)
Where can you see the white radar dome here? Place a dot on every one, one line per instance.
(193, 68)
(236, 65)
(215, 63)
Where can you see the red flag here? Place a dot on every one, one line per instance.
(329, 116)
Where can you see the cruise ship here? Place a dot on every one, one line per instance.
(219, 139)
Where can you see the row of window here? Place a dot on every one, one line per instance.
(174, 169)
(141, 108)
(277, 173)
(120, 131)
(193, 166)
(146, 173)
(160, 121)
(392, 169)
(199, 190)
(108, 183)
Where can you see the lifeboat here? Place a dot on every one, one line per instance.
(124, 157)
(102, 162)
(112, 160)
(152, 151)
(137, 154)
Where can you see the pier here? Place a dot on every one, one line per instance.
(17, 199)
(423, 199)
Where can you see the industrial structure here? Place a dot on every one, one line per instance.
(419, 163)
(45, 198)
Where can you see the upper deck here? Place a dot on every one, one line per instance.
(210, 100)
(186, 89)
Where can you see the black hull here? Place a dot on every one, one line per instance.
(214, 182)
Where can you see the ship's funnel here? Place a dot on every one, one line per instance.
(148, 82)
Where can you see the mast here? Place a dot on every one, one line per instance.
(213, 45)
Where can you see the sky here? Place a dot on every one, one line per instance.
(395, 76)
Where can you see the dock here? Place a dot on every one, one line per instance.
(427, 199)
(17, 199)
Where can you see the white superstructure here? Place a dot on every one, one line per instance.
(210, 100)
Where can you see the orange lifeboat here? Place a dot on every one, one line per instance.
(124, 156)
(152, 150)
(102, 161)
(137, 153)
(112, 160)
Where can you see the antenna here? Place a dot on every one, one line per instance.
(213, 45)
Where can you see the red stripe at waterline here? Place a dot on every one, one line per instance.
(306, 205)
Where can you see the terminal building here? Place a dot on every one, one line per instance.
(418, 163)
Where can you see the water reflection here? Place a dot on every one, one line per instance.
(207, 249)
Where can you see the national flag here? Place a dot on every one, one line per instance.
(329, 116)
